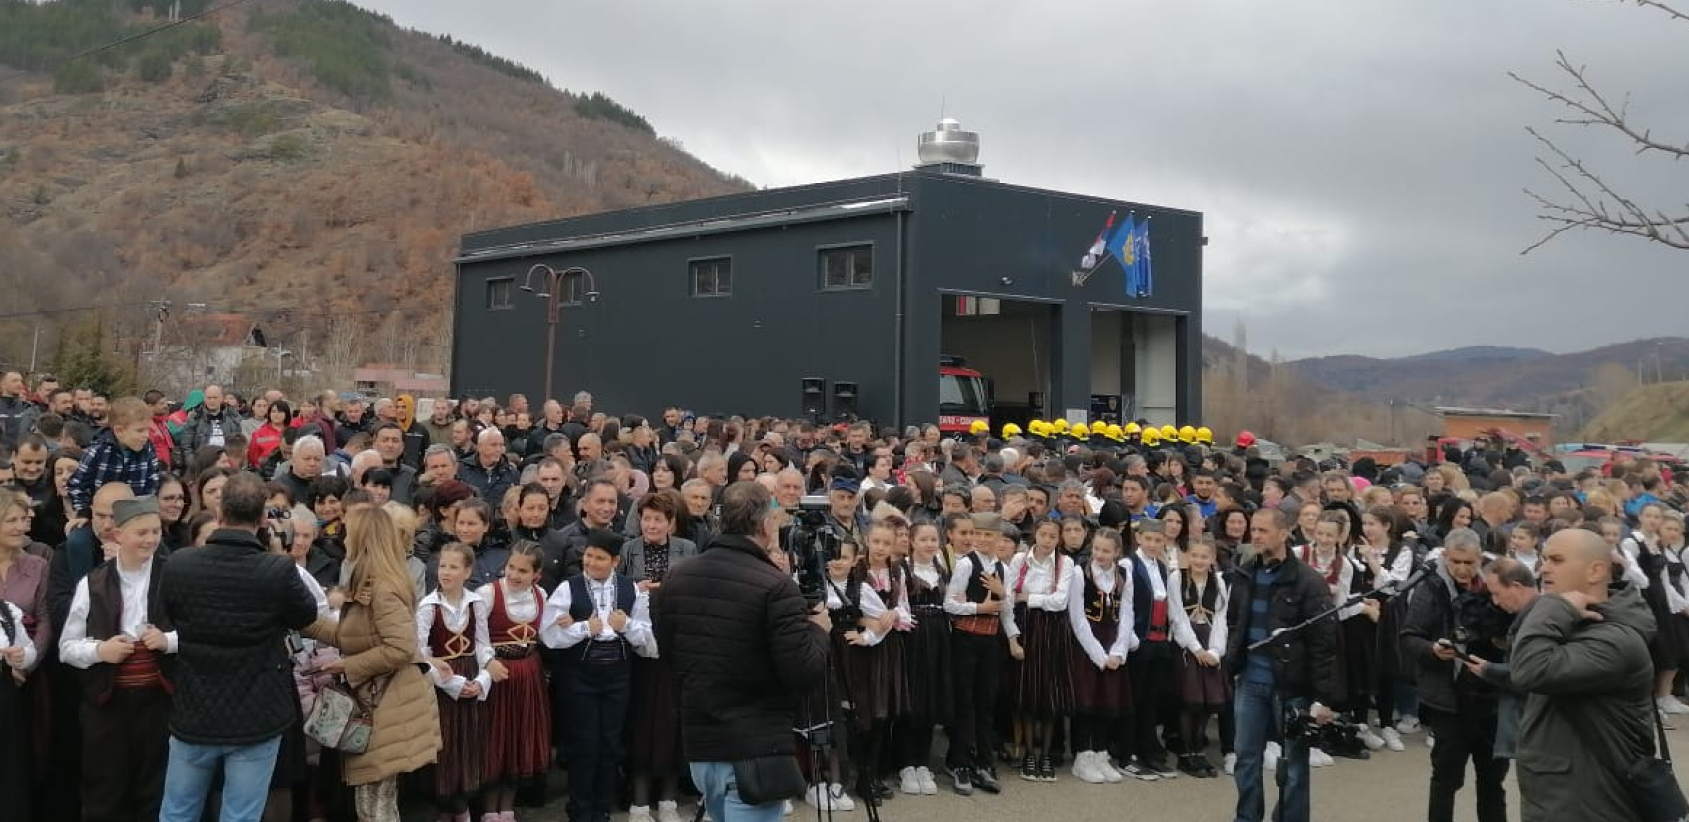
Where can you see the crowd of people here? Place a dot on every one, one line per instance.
(1063, 601)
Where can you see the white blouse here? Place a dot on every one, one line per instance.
(872, 606)
(1124, 640)
(456, 618)
(520, 606)
(1183, 633)
(18, 638)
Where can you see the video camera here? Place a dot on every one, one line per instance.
(1339, 734)
(812, 542)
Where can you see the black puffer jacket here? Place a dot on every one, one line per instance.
(1304, 664)
(233, 605)
(738, 635)
(1441, 684)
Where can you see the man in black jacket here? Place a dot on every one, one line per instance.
(1272, 591)
(1458, 707)
(233, 604)
(745, 648)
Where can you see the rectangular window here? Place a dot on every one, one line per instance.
(712, 278)
(848, 267)
(498, 293)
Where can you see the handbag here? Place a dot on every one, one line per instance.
(1653, 787)
(765, 779)
(340, 719)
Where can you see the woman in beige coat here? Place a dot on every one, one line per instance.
(376, 635)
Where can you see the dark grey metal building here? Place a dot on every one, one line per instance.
(724, 305)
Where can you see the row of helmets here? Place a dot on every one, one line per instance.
(1150, 435)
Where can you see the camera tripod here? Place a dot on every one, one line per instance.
(820, 733)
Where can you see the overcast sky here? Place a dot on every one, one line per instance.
(1359, 165)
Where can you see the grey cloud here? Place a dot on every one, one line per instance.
(1360, 164)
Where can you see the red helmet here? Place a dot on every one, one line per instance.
(1245, 439)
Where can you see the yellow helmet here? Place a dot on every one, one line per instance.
(1113, 432)
(1132, 429)
(1059, 426)
(1187, 434)
(978, 427)
(1204, 435)
(1010, 430)
(1079, 430)
(1169, 433)
(1152, 435)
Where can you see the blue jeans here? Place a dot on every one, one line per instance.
(721, 796)
(246, 779)
(1259, 713)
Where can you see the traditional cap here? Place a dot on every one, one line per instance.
(607, 540)
(127, 509)
(886, 512)
(988, 521)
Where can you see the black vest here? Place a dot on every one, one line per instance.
(581, 606)
(977, 592)
(105, 611)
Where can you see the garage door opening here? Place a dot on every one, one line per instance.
(996, 357)
(1134, 366)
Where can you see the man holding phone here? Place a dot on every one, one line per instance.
(1459, 707)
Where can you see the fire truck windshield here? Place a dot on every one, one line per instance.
(966, 395)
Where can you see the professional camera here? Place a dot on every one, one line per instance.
(1479, 622)
(280, 526)
(1339, 736)
(812, 542)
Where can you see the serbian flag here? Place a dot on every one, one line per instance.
(1094, 255)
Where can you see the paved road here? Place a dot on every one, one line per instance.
(1389, 787)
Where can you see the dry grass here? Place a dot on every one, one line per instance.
(1652, 413)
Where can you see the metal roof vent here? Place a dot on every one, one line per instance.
(949, 149)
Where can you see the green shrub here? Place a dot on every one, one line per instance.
(344, 45)
(601, 107)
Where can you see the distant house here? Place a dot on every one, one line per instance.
(1468, 423)
(199, 349)
(386, 380)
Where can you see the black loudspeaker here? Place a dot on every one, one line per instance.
(814, 397)
(844, 400)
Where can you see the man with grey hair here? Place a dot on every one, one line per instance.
(744, 646)
(439, 464)
(1459, 707)
(304, 464)
(486, 470)
(1581, 658)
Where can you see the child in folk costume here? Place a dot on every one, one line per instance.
(974, 599)
(1151, 665)
(654, 755)
(928, 655)
(1326, 556)
(1674, 629)
(602, 620)
(1198, 599)
(1390, 557)
(1099, 610)
(118, 634)
(518, 746)
(849, 605)
(1038, 626)
(452, 624)
(881, 684)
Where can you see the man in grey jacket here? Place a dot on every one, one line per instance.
(1513, 589)
(1582, 657)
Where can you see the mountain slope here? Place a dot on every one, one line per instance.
(302, 161)
(1652, 413)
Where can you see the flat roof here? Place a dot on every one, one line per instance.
(1457, 411)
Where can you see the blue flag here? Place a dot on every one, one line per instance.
(1145, 278)
(1121, 245)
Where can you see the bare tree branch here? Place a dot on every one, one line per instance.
(1588, 201)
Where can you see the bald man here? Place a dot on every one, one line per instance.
(1581, 655)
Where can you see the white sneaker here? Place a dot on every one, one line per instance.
(640, 813)
(667, 811)
(1269, 757)
(1109, 773)
(1407, 725)
(1085, 769)
(1371, 740)
(1671, 705)
(909, 782)
(1229, 763)
(786, 808)
(928, 786)
(1392, 739)
(1319, 759)
(840, 800)
(816, 797)
(1430, 741)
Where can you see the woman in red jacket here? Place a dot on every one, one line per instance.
(268, 437)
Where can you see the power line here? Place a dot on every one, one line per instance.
(123, 41)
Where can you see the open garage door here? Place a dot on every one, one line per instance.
(1135, 358)
(1008, 344)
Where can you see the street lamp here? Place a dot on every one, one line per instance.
(551, 290)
